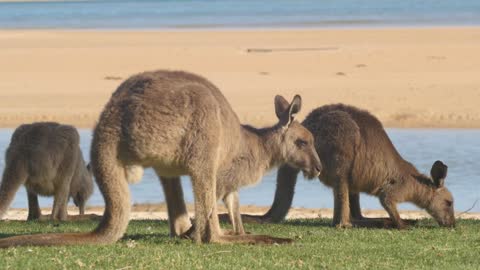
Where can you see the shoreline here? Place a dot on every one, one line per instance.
(407, 77)
(299, 28)
(159, 211)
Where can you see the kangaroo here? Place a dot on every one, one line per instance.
(180, 124)
(358, 156)
(47, 159)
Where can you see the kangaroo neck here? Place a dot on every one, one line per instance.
(422, 190)
(259, 151)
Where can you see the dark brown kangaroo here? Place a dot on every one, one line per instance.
(47, 159)
(357, 156)
(180, 124)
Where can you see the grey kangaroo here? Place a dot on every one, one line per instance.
(46, 158)
(357, 156)
(181, 124)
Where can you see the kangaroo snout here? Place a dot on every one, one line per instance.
(318, 169)
(315, 167)
(317, 164)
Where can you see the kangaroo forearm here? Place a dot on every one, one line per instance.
(286, 180)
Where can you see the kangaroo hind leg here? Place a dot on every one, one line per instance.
(34, 211)
(232, 203)
(62, 188)
(355, 210)
(178, 218)
(207, 226)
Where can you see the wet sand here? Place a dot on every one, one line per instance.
(159, 211)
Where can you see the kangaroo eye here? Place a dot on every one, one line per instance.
(301, 143)
(449, 203)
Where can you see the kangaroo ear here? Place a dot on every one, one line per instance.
(295, 106)
(439, 173)
(285, 111)
(281, 106)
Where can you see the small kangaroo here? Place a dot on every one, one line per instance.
(47, 159)
(358, 156)
(180, 124)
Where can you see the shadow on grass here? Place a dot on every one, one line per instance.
(162, 237)
(154, 238)
(367, 223)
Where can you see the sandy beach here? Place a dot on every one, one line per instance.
(408, 77)
(159, 211)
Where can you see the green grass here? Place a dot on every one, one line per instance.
(317, 245)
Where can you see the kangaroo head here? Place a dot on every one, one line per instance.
(441, 205)
(296, 142)
(85, 189)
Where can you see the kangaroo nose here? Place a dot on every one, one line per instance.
(318, 167)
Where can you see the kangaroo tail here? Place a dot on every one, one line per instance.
(14, 176)
(110, 177)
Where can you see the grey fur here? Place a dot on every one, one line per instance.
(46, 158)
(359, 157)
(180, 124)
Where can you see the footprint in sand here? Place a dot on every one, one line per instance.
(113, 78)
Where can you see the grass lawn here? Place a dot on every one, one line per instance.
(317, 245)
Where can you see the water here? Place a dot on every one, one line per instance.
(459, 149)
(151, 14)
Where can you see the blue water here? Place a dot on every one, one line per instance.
(169, 14)
(459, 149)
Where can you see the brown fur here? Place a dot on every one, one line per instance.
(47, 159)
(358, 156)
(180, 124)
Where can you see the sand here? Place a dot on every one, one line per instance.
(408, 77)
(159, 211)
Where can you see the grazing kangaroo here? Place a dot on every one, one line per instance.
(181, 124)
(358, 156)
(47, 159)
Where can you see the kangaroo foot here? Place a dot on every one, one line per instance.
(247, 238)
(189, 233)
(253, 239)
(343, 225)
